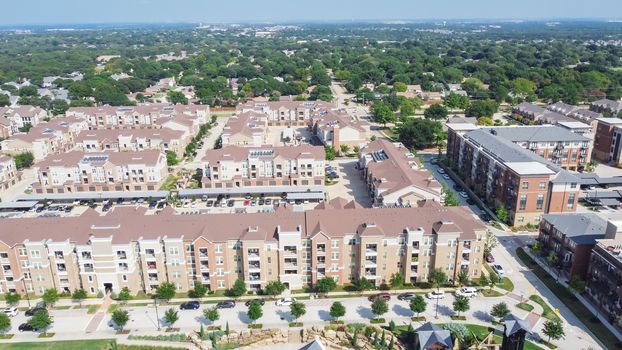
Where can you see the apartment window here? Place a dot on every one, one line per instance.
(40, 278)
(37, 265)
(542, 185)
(92, 290)
(335, 243)
(352, 241)
(269, 272)
(573, 185)
(218, 248)
(450, 267)
(335, 256)
(175, 262)
(35, 253)
(334, 267)
(221, 284)
(520, 219)
(452, 243)
(24, 263)
(124, 277)
(22, 252)
(525, 185)
(523, 202)
(540, 201)
(220, 272)
(427, 252)
(189, 248)
(306, 243)
(451, 255)
(269, 260)
(173, 251)
(176, 274)
(570, 204)
(89, 278)
(220, 260)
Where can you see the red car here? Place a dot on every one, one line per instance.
(385, 296)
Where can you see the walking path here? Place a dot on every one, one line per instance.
(99, 316)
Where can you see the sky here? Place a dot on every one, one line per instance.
(210, 11)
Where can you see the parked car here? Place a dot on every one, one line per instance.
(247, 202)
(161, 205)
(11, 311)
(406, 296)
(436, 295)
(385, 296)
(470, 201)
(153, 204)
(259, 300)
(466, 292)
(230, 203)
(268, 201)
(25, 327)
(446, 177)
(227, 304)
(441, 171)
(490, 258)
(210, 203)
(285, 302)
(31, 312)
(498, 269)
(485, 217)
(190, 305)
(463, 194)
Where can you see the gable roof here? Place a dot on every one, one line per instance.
(430, 334)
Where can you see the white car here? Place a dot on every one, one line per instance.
(10, 311)
(463, 194)
(498, 269)
(468, 292)
(446, 177)
(436, 295)
(441, 171)
(285, 302)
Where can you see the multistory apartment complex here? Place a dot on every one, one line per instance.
(335, 129)
(14, 118)
(246, 129)
(394, 175)
(537, 115)
(107, 171)
(571, 237)
(47, 138)
(608, 108)
(139, 116)
(292, 113)
(608, 140)
(8, 172)
(126, 248)
(269, 166)
(163, 139)
(504, 174)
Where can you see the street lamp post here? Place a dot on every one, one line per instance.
(26, 292)
(155, 303)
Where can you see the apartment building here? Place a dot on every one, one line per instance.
(578, 114)
(8, 172)
(571, 237)
(14, 118)
(504, 174)
(394, 175)
(533, 114)
(283, 113)
(234, 166)
(127, 248)
(335, 129)
(607, 141)
(47, 138)
(246, 129)
(139, 116)
(77, 171)
(608, 108)
(163, 139)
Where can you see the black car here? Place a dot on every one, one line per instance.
(470, 201)
(190, 305)
(25, 327)
(33, 311)
(161, 205)
(227, 304)
(153, 204)
(406, 296)
(231, 203)
(210, 203)
(259, 300)
(485, 217)
(120, 200)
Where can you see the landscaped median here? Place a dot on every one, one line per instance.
(572, 303)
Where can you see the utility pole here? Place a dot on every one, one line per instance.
(26, 292)
(155, 303)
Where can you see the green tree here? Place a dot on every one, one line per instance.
(397, 280)
(436, 112)
(79, 295)
(407, 108)
(171, 316)
(451, 199)
(379, 307)
(419, 133)
(41, 321)
(255, 311)
(198, 292)
(363, 284)
(554, 329)
(345, 149)
(490, 244)
(485, 121)
(400, 87)
(500, 310)
(502, 214)
(12, 298)
(418, 305)
(483, 281)
(461, 304)
(24, 160)
(274, 288)
(463, 277)
(337, 310)
(330, 152)
(5, 320)
(211, 314)
(120, 317)
(297, 309)
(26, 128)
(455, 101)
(4, 100)
(485, 108)
(523, 87)
(382, 113)
(437, 278)
(50, 296)
(325, 285)
(171, 158)
(166, 291)
(493, 280)
(176, 97)
(239, 289)
(124, 295)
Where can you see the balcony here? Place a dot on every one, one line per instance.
(321, 261)
(370, 262)
(254, 277)
(321, 249)
(59, 256)
(121, 255)
(123, 267)
(88, 268)
(205, 277)
(204, 266)
(86, 255)
(202, 254)
(254, 266)
(253, 254)
(152, 266)
(290, 251)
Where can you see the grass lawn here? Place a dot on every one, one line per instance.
(170, 183)
(482, 331)
(525, 306)
(506, 284)
(592, 322)
(101, 344)
(547, 312)
(491, 293)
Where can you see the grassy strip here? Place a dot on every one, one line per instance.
(507, 284)
(574, 305)
(295, 324)
(491, 293)
(46, 335)
(547, 312)
(377, 320)
(255, 326)
(525, 306)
